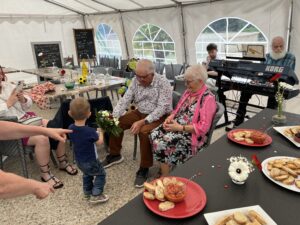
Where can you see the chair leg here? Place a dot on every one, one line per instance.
(135, 147)
(53, 159)
(118, 97)
(23, 158)
(112, 95)
(88, 95)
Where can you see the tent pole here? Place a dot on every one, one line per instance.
(125, 39)
(290, 25)
(84, 22)
(64, 6)
(183, 33)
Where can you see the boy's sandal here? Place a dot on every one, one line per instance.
(66, 164)
(58, 183)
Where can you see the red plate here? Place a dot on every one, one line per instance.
(192, 204)
(230, 137)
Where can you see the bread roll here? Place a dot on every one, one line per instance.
(164, 206)
(149, 195)
(149, 187)
(255, 216)
(240, 218)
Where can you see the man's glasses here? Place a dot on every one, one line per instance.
(143, 77)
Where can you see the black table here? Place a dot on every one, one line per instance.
(281, 204)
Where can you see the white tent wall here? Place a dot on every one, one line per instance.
(168, 19)
(18, 33)
(112, 20)
(270, 16)
(295, 35)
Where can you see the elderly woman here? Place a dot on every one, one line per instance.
(183, 133)
(14, 103)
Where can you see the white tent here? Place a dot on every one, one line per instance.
(26, 21)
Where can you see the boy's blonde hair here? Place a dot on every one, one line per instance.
(79, 108)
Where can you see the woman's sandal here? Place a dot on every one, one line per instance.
(58, 183)
(66, 165)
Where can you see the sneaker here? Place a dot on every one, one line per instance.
(86, 197)
(99, 198)
(141, 177)
(111, 160)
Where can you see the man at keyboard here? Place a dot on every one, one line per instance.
(278, 56)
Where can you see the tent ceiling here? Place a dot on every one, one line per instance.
(71, 7)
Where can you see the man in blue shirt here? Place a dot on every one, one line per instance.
(278, 56)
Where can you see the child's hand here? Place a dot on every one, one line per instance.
(101, 137)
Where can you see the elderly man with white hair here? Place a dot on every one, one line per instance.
(152, 94)
(184, 132)
(277, 57)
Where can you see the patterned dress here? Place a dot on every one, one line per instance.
(173, 147)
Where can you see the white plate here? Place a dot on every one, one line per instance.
(264, 165)
(213, 218)
(281, 131)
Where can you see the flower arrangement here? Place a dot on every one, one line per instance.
(62, 72)
(108, 123)
(239, 169)
(42, 60)
(279, 118)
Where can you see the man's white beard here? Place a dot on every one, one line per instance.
(277, 56)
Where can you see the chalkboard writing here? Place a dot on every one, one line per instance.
(84, 42)
(47, 54)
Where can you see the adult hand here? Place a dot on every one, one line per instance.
(168, 120)
(42, 190)
(57, 134)
(21, 97)
(136, 127)
(13, 98)
(173, 126)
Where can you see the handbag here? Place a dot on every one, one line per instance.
(30, 118)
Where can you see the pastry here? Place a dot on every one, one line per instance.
(224, 220)
(149, 195)
(290, 171)
(289, 181)
(255, 216)
(149, 187)
(240, 218)
(275, 172)
(232, 222)
(281, 177)
(297, 182)
(164, 206)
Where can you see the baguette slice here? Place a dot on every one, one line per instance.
(149, 187)
(232, 222)
(160, 183)
(255, 216)
(159, 193)
(149, 195)
(164, 206)
(240, 218)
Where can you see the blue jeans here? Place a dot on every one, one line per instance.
(93, 177)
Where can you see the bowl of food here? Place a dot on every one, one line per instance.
(175, 192)
(258, 137)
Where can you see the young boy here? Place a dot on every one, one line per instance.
(84, 140)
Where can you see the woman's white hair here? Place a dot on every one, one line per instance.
(197, 72)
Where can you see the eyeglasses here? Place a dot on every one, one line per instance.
(143, 77)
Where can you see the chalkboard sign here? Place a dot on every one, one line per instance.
(84, 42)
(47, 54)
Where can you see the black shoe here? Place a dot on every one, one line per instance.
(141, 177)
(111, 160)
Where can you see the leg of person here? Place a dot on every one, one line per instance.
(87, 185)
(42, 152)
(64, 165)
(97, 192)
(241, 112)
(146, 152)
(272, 103)
(115, 143)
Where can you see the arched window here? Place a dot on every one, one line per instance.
(152, 42)
(228, 33)
(107, 42)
